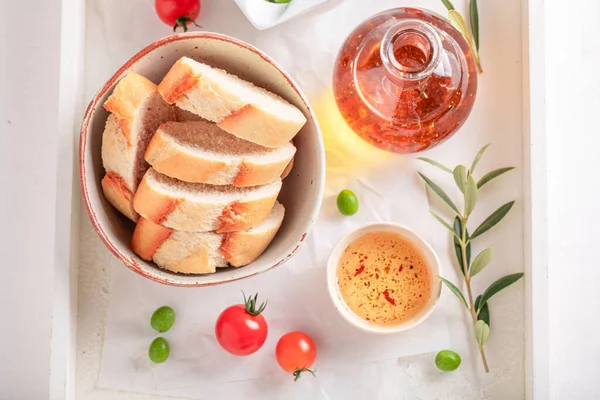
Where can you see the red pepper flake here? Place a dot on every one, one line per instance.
(386, 294)
(359, 270)
(370, 276)
(400, 269)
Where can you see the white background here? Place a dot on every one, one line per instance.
(29, 77)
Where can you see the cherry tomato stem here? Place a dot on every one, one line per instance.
(297, 373)
(183, 22)
(177, 13)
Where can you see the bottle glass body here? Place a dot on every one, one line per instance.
(405, 80)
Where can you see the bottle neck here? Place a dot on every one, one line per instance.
(410, 50)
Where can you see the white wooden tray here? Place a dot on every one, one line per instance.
(512, 46)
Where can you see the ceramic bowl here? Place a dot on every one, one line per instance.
(302, 189)
(429, 256)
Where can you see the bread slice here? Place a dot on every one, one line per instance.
(136, 112)
(203, 252)
(237, 106)
(288, 169)
(200, 151)
(199, 207)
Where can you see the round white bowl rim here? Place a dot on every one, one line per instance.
(424, 248)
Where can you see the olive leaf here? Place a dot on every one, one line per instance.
(474, 17)
(457, 248)
(435, 164)
(470, 195)
(497, 286)
(460, 177)
(478, 157)
(481, 261)
(491, 175)
(455, 290)
(492, 220)
(448, 5)
(438, 190)
(482, 332)
(457, 21)
(447, 225)
(484, 314)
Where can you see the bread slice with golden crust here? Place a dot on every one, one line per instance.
(200, 151)
(237, 106)
(137, 110)
(199, 207)
(203, 252)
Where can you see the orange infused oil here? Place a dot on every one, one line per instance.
(383, 278)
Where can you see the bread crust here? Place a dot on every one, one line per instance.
(242, 248)
(168, 158)
(253, 174)
(180, 79)
(254, 124)
(196, 263)
(183, 86)
(116, 192)
(148, 237)
(124, 102)
(236, 248)
(288, 169)
(154, 205)
(186, 214)
(238, 216)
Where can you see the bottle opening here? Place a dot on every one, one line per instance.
(410, 50)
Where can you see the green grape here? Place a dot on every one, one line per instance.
(163, 319)
(159, 350)
(347, 202)
(447, 360)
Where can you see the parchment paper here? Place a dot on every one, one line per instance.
(388, 189)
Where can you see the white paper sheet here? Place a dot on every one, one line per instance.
(388, 189)
(297, 294)
(351, 364)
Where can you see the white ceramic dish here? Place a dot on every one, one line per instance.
(302, 190)
(431, 260)
(264, 15)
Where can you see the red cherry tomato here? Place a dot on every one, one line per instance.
(241, 329)
(296, 353)
(178, 13)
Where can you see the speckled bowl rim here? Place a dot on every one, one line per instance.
(131, 263)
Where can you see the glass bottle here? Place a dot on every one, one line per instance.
(405, 80)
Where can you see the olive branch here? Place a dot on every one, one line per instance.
(463, 177)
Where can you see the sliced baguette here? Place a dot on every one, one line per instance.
(200, 151)
(136, 112)
(237, 106)
(199, 207)
(203, 252)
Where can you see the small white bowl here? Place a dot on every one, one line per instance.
(264, 15)
(431, 260)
